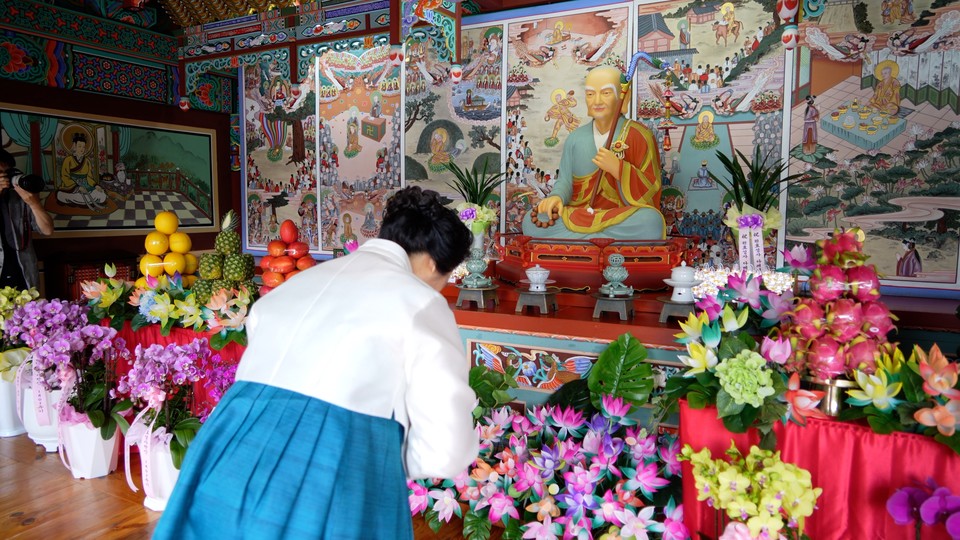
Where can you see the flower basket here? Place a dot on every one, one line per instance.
(10, 424)
(84, 451)
(36, 409)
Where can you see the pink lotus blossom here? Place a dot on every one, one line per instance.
(877, 319)
(609, 505)
(647, 479)
(863, 283)
(418, 497)
(844, 319)
(673, 527)
(446, 504)
(747, 288)
(500, 505)
(827, 283)
(541, 531)
(800, 258)
(939, 374)
(825, 358)
(780, 305)
(777, 351)
(711, 306)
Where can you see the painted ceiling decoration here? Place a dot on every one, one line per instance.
(187, 13)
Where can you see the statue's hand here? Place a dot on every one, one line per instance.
(608, 162)
(550, 206)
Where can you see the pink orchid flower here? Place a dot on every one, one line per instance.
(939, 374)
(802, 403)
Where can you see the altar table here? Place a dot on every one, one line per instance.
(857, 469)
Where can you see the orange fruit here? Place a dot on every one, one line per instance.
(192, 264)
(156, 243)
(180, 242)
(166, 222)
(151, 265)
(189, 280)
(140, 283)
(174, 262)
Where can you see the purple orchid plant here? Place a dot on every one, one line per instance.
(554, 472)
(926, 504)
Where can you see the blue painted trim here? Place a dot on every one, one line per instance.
(920, 292)
(547, 9)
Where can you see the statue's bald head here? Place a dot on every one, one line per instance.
(606, 77)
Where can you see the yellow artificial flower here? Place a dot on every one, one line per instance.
(874, 389)
(189, 312)
(110, 295)
(693, 327)
(161, 308)
(733, 321)
(700, 360)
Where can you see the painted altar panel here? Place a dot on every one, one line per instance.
(724, 64)
(877, 131)
(547, 61)
(110, 176)
(323, 153)
(447, 122)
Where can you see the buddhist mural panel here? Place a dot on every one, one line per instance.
(875, 126)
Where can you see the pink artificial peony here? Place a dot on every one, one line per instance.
(877, 320)
(827, 283)
(863, 283)
(844, 319)
(862, 354)
(825, 358)
(807, 319)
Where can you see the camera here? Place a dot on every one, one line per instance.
(27, 182)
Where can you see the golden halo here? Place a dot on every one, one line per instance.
(559, 25)
(66, 136)
(894, 69)
(726, 7)
(705, 114)
(557, 94)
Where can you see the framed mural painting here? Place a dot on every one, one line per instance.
(107, 176)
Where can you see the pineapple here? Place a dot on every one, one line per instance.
(203, 288)
(227, 241)
(211, 266)
(251, 286)
(234, 267)
(220, 284)
(249, 264)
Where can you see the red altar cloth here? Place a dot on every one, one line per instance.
(857, 469)
(150, 334)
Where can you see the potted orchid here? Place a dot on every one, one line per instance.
(165, 383)
(80, 360)
(12, 355)
(762, 495)
(926, 504)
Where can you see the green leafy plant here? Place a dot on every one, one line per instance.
(753, 183)
(491, 388)
(475, 187)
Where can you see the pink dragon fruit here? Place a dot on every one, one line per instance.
(827, 283)
(844, 319)
(862, 283)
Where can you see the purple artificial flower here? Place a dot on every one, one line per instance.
(578, 502)
(669, 453)
(939, 506)
(468, 213)
(711, 306)
(580, 479)
(953, 526)
(904, 505)
(548, 460)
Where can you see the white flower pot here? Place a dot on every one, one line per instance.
(10, 424)
(86, 453)
(45, 435)
(159, 476)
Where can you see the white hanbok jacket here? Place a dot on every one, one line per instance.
(364, 333)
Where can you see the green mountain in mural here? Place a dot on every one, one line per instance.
(166, 150)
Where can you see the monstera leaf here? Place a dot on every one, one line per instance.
(622, 372)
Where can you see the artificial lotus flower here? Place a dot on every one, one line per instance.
(874, 389)
(543, 531)
(161, 308)
(777, 351)
(939, 374)
(446, 504)
(778, 307)
(500, 505)
(800, 258)
(709, 305)
(673, 527)
(700, 359)
(93, 290)
(733, 321)
(942, 417)
(189, 312)
(711, 335)
(637, 525)
(802, 403)
(747, 288)
(692, 327)
(418, 498)
(616, 409)
(646, 478)
(545, 508)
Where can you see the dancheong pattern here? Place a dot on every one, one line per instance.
(127, 80)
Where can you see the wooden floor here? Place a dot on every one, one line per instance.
(40, 499)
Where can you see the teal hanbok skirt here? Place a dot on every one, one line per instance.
(271, 463)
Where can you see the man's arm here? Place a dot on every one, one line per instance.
(40, 216)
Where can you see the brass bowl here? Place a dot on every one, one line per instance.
(835, 116)
(871, 130)
(893, 120)
(864, 114)
(842, 109)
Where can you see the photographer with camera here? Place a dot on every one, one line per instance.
(20, 213)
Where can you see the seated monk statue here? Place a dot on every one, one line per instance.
(604, 192)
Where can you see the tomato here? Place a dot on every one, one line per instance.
(277, 248)
(298, 249)
(289, 232)
(283, 264)
(265, 262)
(305, 262)
(264, 289)
(272, 279)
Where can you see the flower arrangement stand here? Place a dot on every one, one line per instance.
(622, 305)
(478, 295)
(544, 301)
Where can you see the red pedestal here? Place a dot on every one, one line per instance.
(857, 469)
